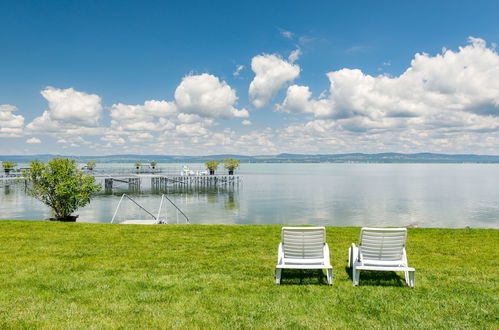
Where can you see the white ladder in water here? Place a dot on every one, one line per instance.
(156, 220)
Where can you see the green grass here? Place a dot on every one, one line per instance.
(73, 275)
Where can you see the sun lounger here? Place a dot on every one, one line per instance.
(303, 248)
(381, 249)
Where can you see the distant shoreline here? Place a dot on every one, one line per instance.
(355, 158)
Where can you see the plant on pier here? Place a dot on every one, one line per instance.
(212, 166)
(153, 164)
(8, 166)
(91, 164)
(137, 165)
(61, 186)
(231, 164)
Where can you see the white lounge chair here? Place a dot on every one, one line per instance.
(380, 249)
(303, 248)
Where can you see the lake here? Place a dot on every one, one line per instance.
(423, 195)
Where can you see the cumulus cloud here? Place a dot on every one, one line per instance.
(448, 102)
(151, 116)
(71, 106)
(11, 125)
(71, 141)
(113, 139)
(207, 96)
(69, 112)
(33, 140)
(272, 73)
(140, 137)
(432, 88)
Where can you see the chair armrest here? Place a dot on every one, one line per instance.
(280, 254)
(354, 253)
(404, 257)
(327, 260)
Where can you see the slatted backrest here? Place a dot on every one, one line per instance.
(382, 243)
(303, 242)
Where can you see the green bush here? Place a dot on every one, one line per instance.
(231, 164)
(60, 185)
(211, 165)
(91, 164)
(7, 166)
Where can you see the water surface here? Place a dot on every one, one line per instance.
(424, 195)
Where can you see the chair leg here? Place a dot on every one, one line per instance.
(355, 276)
(349, 257)
(412, 279)
(278, 273)
(330, 276)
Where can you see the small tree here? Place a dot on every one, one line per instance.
(231, 164)
(91, 164)
(137, 165)
(212, 165)
(60, 185)
(153, 164)
(8, 166)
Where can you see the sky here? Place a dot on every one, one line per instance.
(248, 77)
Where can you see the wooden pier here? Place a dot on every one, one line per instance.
(183, 182)
(164, 182)
(133, 183)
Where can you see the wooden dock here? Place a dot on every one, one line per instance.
(194, 181)
(159, 183)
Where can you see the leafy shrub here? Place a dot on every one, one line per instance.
(60, 185)
(212, 165)
(231, 164)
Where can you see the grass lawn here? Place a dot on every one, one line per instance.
(74, 275)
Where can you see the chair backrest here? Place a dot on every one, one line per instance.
(382, 243)
(303, 242)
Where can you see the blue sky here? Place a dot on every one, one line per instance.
(76, 77)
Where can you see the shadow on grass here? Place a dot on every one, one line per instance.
(303, 277)
(377, 278)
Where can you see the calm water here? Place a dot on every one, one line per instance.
(425, 195)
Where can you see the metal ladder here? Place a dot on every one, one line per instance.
(158, 219)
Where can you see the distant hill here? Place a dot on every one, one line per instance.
(280, 158)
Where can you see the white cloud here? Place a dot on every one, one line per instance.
(287, 34)
(33, 140)
(10, 125)
(447, 102)
(147, 117)
(433, 88)
(140, 137)
(443, 103)
(271, 74)
(71, 106)
(294, 56)
(7, 108)
(186, 118)
(70, 112)
(44, 124)
(113, 139)
(72, 141)
(239, 68)
(207, 96)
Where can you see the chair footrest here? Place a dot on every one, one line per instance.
(304, 267)
(386, 268)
